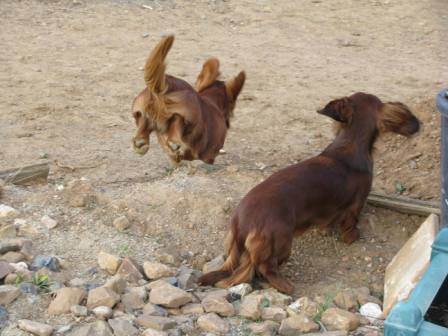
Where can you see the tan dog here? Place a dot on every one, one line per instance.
(190, 124)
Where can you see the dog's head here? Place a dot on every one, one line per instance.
(367, 108)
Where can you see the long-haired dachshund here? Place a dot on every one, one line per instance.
(190, 123)
(327, 191)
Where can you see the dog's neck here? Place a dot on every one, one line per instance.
(354, 145)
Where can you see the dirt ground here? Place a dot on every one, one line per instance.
(69, 71)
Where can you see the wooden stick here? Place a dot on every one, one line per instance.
(403, 204)
(26, 174)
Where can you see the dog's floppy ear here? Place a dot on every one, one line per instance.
(209, 73)
(234, 85)
(339, 109)
(397, 117)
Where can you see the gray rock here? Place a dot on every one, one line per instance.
(65, 299)
(213, 265)
(52, 263)
(117, 283)
(4, 316)
(169, 296)
(8, 294)
(303, 305)
(132, 301)
(153, 332)
(297, 324)
(130, 271)
(122, 327)
(13, 257)
(28, 288)
(192, 308)
(241, 290)
(78, 310)
(156, 270)
(102, 312)
(154, 310)
(35, 328)
(187, 278)
(5, 269)
(266, 328)
(156, 322)
(49, 222)
(97, 328)
(12, 244)
(211, 322)
(276, 314)
(251, 307)
(219, 305)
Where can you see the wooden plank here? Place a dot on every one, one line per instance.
(403, 204)
(27, 174)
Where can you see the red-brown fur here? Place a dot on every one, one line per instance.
(190, 124)
(327, 191)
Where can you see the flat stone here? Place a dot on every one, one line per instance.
(5, 269)
(265, 328)
(251, 306)
(213, 265)
(102, 296)
(156, 270)
(338, 319)
(97, 328)
(169, 296)
(122, 327)
(132, 301)
(121, 223)
(297, 324)
(49, 222)
(102, 312)
(35, 328)
(7, 212)
(8, 294)
(347, 300)
(192, 309)
(219, 305)
(242, 290)
(78, 310)
(153, 332)
(276, 314)
(154, 310)
(117, 283)
(65, 299)
(156, 322)
(211, 322)
(407, 267)
(129, 271)
(303, 305)
(13, 257)
(108, 262)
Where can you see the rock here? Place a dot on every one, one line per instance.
(363, 296)
(122, 327)
(7, 212)
(132, 301)
(11, 244)
(49, 222)
(156, 322)
(242, 290)
(338, 319)
(121, 223)
(129, 271)
(169, 296)
(303, 305)
(366, 331)
(117, 283)
(28, 288)
(108, 262)
(5, 269)
(188, 278)
(266, 328)
(219, 305)
(297, 324)
(213, 323)
(276, 314)
(251, 306)
(153, 332)
(346, 300)
(102, 296)
(52, 263)
(102, 312)
(213, 265)
(372, 311)
(79, 193)
(63, 330)
(97, 328)
(155, 270)
(154, 310)
(78, 310)
(19, 267)
(332, 333)
(275, 297)
(65, 299)
(192, 308)
(8, 294)
(4, 316)
(409, 264)
(168, 257)
(13, 257)
(8, 231)
(35, 328)
(139, 291)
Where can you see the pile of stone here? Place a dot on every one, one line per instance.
(154, 299)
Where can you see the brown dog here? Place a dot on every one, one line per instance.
(326, 191)
(190, 124)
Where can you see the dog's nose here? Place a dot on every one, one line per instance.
(139, 143)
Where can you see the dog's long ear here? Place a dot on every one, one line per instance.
(339, 109)
(397, 117)
(209, 73)
(155, 66)
(235, 85)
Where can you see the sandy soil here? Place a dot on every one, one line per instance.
(68, 73)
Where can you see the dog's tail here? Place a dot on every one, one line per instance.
(155, 66)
